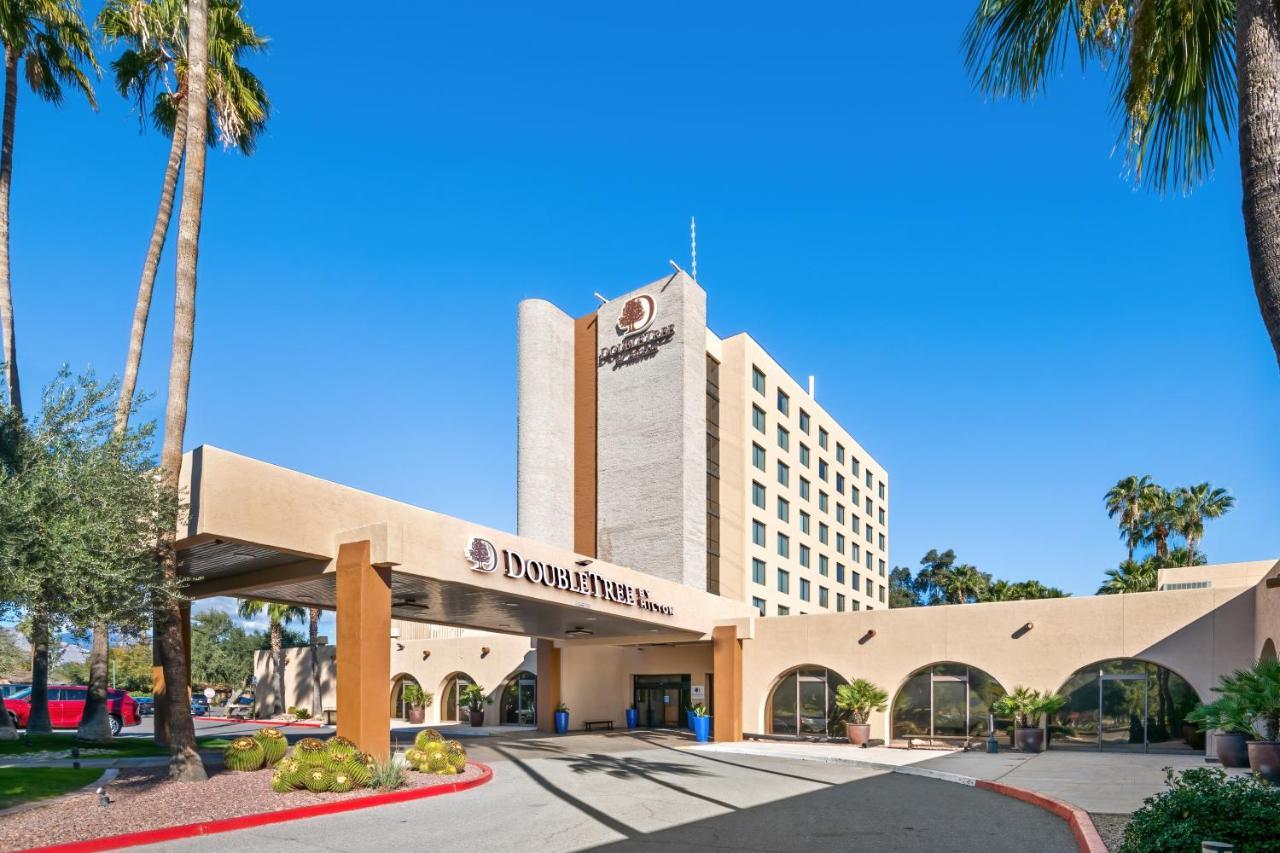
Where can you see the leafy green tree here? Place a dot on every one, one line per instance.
(1180, 73)
(14, 660)
(1195, 504)
(931, 580)
(221, 651)
(902, 591)
(1128, 499)
(278, 616)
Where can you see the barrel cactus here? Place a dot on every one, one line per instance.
(244, 754)
(292, 771)
(357, 770)
(311, 750)
(436, 763)
(425, 737)
(414, 756)
(340, 748)
(273, 744)
(456, 755)
(341, 782)
(318, 780)
(280, 783)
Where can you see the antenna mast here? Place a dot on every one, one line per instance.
(693, 247)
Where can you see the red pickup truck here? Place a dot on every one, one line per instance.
(66, 707)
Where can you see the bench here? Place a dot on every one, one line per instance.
(598, 724)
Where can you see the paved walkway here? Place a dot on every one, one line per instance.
(647, 791)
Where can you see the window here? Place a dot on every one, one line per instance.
(758, 604)
(784, 405)
(868, 561)
(804, 422)
(870, 587)
(757, 494)
(784, 545)
(784, 438)
(855, 605)
(804, 488)
(840, 543)
(869, 479)
(822, 470)
(757, 456)
(784, 474)
(784, 610)
(867, 530)
(881, 568)
(870, 507)
(824, 533)
(839, 572)
(757, 379)
(804, 454)
(880, 515)
(855, 466)
(822, 438)
(839, 453)
(881, 590)
(757, 533)
(856, 552)
(839, 602)
(784, 581)
(757, 418)
(822, 565)
(880, 540)
(804, 589)
(880, 489)
(784, 510)
(822, 501)
(757, 571)
(804, 521)
(855, 496)
(855, 523)
(840, 483)
(822, 597)
(839, 513)
(804, 556)
(854, 580)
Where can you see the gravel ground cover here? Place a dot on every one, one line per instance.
(1111, 828)
(145, 799)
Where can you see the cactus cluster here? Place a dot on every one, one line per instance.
(336, 765)
(244, 753)
(274, 745)
(431, 753)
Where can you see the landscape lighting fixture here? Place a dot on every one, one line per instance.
(583, 562)
(578, 632)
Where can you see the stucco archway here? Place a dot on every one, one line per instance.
(801, 703)
(1126, 705)
(399, 709)
(517, 702)
(450, 708)
(946, 701)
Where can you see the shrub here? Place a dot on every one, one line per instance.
(318, 780)
(386, 775)
(273, 744)
(311, 750)
(474, 697)
(860, 698)
(300, 713)
(425, 737)
(1205, 804)
(1027, 706)
(341, 748)
(244, 754)
(416, 697)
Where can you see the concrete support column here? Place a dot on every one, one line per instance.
(726, 654)
(364, 659)
(159, 693)
(548, 684)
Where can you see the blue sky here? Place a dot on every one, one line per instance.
(1015, 326)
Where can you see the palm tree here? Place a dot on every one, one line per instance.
(1127, 499)
(1179, 557)
(185, 763)
(1181, 73)
(1130, 576)
(1161, 517)
(1197, 503)
(313, 640)
(155, 31)
(278, 616)
(1001, 590)
(963, 584)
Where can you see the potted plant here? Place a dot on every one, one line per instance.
(417, 700)
(633, 716)
(1027, 706)
(700, 719)
(562, 718)
(1231, 728)
(475, 698)
(859, 698)
(1257, 691)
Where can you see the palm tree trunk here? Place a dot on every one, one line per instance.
(95, 724)
(9, 354)
(313, 632)
(1258, 80)
(277, 660)
(39, 722)
(142, 308)
(185, 763)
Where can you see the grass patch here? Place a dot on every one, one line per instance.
(121, 747)
(24, 784)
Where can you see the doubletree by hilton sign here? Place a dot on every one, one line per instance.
(483, 557)
(639, 341)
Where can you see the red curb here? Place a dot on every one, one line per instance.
(275, 723)
(1086, 834)
(211, 827)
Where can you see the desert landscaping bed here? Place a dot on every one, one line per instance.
(144, 799)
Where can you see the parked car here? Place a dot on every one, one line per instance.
(146, 705)
(7, 690)
(199, 705)
(66, 707)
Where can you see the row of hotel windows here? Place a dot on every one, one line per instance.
(758, 570)
(759, 421)
(759, 497)
(759, 537)
(784, 610)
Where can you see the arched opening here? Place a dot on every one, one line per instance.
(1126, 705)
(451, 709)
(1268, 650)
(520, 699)
(399, 708)
(803, 704)
(946, 702)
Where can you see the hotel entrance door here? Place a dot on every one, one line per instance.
(661, 700)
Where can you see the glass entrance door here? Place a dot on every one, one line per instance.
(661, 700)
(950, 706)
(1122, 712)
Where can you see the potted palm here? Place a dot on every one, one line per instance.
(859, 698)
(416, 700)
(474, 697)
(700, 719)
(1257, 690)
(562, 718)
(1026, 707)
(1227, 719)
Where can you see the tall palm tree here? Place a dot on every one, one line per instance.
(1197, 503)
(963, 584)
(184, 762)
(1161, 516)
(313, 640)
(1126, 500)
(1130, 576)
(152, 72)
(1181, 73)
(278, 616)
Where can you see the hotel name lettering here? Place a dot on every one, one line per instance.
(581, 581)
(636, 348)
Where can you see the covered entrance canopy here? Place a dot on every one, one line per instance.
(258, 530)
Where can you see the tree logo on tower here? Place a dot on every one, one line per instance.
(637, 314)
(481, 554)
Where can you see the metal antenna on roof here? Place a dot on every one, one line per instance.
(693, 247)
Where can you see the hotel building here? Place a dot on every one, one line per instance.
(692, 528)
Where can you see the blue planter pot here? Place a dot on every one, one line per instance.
(701, 728)
(562, 722)
(633, 718)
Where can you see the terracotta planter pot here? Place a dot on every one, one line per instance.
(1029, 740)
(1264, 759)
(417, 715)
(477, 718)
(857, 734)
(1233, 749)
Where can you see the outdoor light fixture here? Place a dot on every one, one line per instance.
(1028, 626)
(584, 562)
(578, 632)
(426, 653)
(871, 632)
(484, 651)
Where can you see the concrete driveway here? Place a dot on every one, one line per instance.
(646, 792)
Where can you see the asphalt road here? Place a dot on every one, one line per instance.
(643, 792)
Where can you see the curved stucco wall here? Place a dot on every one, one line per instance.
(544, 428)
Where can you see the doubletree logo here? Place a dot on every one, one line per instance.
(637, 314)
(481, 554)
